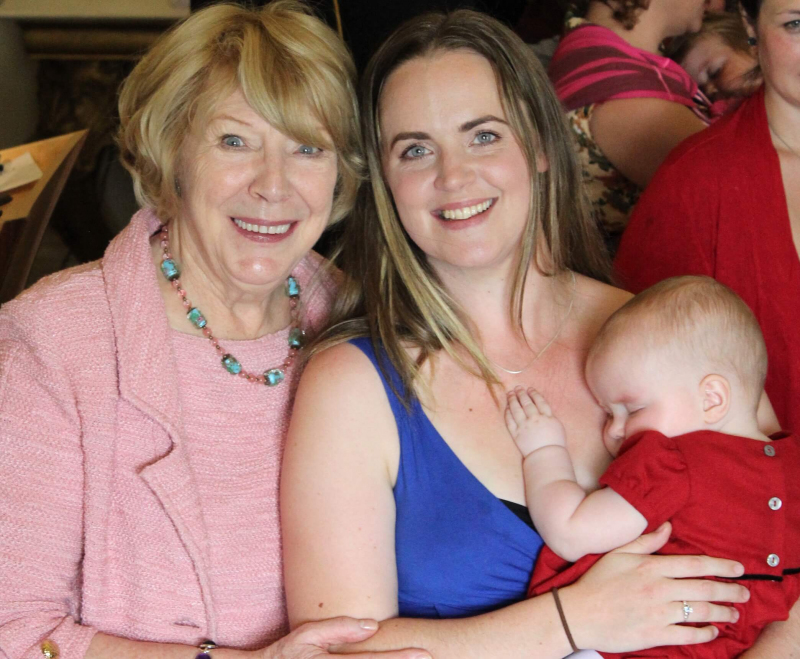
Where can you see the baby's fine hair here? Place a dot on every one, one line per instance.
(698, 321)
(728, 26)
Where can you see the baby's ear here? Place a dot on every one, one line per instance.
(716, 393)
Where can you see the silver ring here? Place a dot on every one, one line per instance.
(686, 611)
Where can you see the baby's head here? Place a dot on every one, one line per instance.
(684, 355)
(719, 57)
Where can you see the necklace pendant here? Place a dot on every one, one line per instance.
(169, 269)
(292, 287)
(273, 376)
(231, 364)
(196, 318)
(297, 338)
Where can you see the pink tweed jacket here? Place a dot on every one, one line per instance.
(100, 523)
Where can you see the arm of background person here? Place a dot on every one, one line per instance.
(637, 134)
(338, 516)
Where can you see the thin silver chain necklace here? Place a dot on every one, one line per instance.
(552, 339)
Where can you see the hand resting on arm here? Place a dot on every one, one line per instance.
(309, 641)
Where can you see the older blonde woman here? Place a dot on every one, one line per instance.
(144, 398)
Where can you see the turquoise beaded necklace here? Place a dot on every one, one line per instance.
(271, 377)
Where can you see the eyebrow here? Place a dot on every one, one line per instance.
(221, 117)
(481, 120)
(408, 136)
(463, 128)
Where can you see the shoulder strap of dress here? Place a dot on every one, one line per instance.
(390, 378)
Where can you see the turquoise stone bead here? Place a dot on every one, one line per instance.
(274, 376)
(169, 269)
(292, 287)
(231, 364)
(196, 317)
(297, 338)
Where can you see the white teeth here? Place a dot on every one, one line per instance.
(467, 212)
(262, 228)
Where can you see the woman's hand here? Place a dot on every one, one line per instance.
(316, 639)
(631, 601)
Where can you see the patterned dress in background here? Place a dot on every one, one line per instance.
(593, 65)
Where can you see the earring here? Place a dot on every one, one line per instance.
(752, 41)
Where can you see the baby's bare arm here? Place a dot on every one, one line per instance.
(571, 522)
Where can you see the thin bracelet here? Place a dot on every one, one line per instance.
(564, 620)
(205, 650)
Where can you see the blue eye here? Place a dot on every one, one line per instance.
(486, 137)
(233, 141)
(414, 151)
(307, 150)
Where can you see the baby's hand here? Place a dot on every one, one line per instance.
(531, 423)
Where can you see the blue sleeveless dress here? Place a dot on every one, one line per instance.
(460, 551)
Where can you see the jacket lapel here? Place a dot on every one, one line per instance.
(148, 381)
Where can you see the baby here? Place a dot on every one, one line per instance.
(679, 370)
(719, 58)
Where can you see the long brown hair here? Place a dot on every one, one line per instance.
(392, 294)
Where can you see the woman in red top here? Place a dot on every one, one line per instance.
(726, 203)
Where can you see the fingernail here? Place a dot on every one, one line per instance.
(735, 615)
(739, 569)
(368, 624)
(716, 632)
(661, 528)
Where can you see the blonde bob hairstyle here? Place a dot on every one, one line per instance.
(291, 68)
(391, 293)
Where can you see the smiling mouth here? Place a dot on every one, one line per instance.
(261, 228)
(466, 212)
